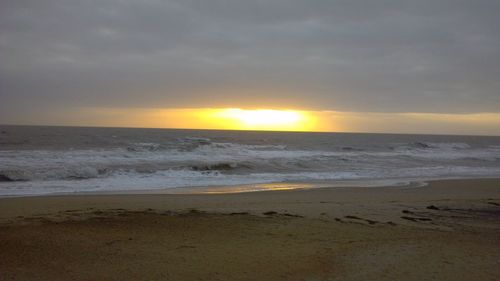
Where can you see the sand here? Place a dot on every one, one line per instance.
(448, 230)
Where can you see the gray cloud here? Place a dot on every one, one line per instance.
(396, 56)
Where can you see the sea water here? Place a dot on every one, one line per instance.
(37, 160)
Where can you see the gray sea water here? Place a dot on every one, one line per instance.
(36, 160)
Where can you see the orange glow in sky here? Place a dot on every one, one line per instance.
(280, 120)
(262, 119)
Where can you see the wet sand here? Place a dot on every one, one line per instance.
(449, 230)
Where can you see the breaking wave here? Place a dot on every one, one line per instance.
(197, 161)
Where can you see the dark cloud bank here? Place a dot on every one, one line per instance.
(380, 56)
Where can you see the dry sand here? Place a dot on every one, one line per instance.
(449, 230)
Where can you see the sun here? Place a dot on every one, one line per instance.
(264, 119)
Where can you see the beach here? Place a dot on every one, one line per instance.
(249, 140)
(446, 230)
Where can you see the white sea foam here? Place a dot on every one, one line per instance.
(133, 181)
(49, 165)
(147, 163)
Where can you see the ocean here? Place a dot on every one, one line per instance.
(40, 160)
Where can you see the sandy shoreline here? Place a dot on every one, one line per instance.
(449, 230)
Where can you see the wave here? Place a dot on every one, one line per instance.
(229, 158)
(191, 162)
(64, 173)
(198, 140)
(215, 167)
(144, 146)
(436, 146)
(134, 181)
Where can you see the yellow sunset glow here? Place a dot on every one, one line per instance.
(262, 119)
(283, 120)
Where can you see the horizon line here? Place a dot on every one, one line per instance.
(244, 130)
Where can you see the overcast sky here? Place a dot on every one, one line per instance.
(420, 56)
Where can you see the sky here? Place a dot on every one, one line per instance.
(427, 66)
